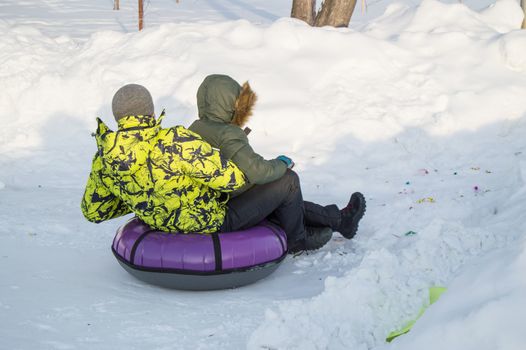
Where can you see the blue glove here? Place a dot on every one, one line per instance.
(288, 162)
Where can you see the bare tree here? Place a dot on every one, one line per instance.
(141, 14)
(523, 5)
(116, 5)
(336, 13)
(304, 10)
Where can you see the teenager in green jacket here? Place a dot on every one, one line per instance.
(273, 189)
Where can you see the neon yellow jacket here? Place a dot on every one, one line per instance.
(170, 178)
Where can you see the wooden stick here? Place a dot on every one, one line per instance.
(141, 15)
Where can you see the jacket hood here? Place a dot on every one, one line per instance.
(141, 127)
(220, 98)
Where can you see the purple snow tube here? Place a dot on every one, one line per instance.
(197, 261)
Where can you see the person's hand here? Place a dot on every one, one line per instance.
(288, 162)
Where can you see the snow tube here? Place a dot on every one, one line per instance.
(198, 261)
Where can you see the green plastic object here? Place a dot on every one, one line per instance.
(434, 295)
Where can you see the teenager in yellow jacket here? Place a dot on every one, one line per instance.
(170, 178)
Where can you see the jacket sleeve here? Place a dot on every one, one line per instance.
(99, 203)
(206, 165)
(257, 169)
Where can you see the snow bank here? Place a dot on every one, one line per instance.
(436, 17)
(466, 52)
(358, 310)
(513, 47)
(486, 301)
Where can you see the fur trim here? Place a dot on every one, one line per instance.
(244, 104)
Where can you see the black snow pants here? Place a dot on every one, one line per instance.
(281, 202)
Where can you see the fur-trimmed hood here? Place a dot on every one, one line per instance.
(220, 98)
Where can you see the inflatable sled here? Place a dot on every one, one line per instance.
(198, 261)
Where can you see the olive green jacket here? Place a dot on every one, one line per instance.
(224, 106)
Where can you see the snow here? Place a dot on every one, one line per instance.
(486, 301)
(423, 113)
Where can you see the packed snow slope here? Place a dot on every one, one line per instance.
(422, 109)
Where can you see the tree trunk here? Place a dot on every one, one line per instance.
(116, 5)
(304, 10)
(523, 5)
(141, 14)
(336, 13)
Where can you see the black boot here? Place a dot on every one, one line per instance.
(351, 215)
(316, 237)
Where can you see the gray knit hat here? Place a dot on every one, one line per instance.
(132, 99)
